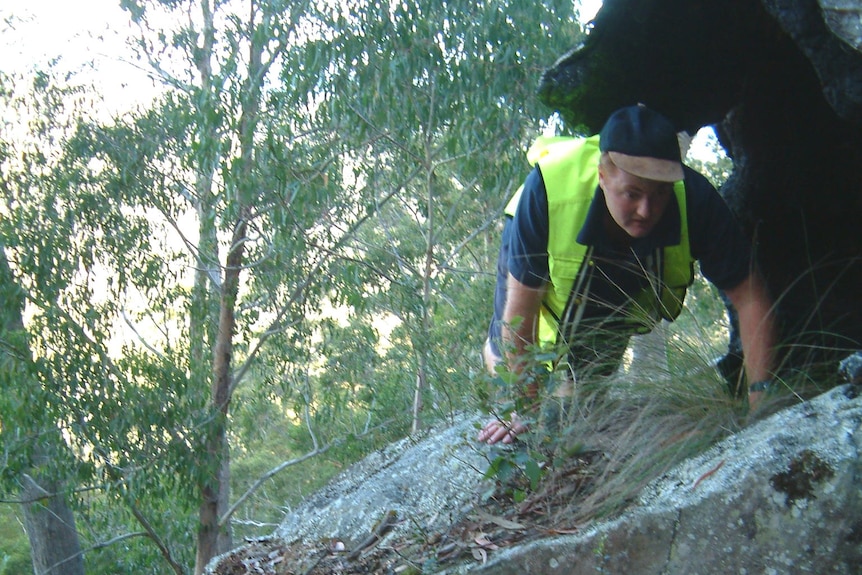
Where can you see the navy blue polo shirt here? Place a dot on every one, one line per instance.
(715, 238)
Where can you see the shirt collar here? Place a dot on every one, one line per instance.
(666, 233)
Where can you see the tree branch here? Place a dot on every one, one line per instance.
(266, 476)
(151, 533)
(96, 547)
(282, 466)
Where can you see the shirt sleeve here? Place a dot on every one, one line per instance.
(715, 236)
(528, 238)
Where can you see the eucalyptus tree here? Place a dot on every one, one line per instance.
(49, 520)
(162, 252)
(38, 465)
(246, 164)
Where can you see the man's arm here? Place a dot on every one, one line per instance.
(757, 330)
(520, 321)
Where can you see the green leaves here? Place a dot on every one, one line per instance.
(517, 471)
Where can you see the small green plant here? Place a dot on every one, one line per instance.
(518, 470)
(599, 553)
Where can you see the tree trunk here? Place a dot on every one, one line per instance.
(428, 269)
(417, 395)
(50, 524)
(214, 539)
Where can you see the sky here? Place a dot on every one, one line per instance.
(46, 28)
(588, 9)
(89, 38)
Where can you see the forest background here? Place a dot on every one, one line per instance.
(279, 257)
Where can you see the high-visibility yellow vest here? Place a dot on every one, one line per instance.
(569, 169)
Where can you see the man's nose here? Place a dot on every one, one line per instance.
(644, 208)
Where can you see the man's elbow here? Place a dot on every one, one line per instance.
(750, 292)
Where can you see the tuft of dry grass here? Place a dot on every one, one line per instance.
(612, 435)
(618, 434)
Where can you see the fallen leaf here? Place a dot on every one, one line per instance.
(500, 521)
(484, 542)
(571, 531)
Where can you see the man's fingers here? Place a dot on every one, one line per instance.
(497, 431)
(504, 434)
(489, 431)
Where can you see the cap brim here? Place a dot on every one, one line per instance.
(648, 168)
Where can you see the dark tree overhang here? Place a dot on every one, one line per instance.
(677, 56)
(781, 80)
(692, 60)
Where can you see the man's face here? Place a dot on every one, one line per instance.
(635, 204)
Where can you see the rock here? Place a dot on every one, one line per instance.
(826, 32)
(425, 481)
(850, 368)
(844, 18)
(782, 496)
(428, 478)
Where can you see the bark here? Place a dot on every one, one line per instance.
(49, 521)
(427, 271)
(50, 525)
(212, 539)
(214, 536)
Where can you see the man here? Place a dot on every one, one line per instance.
(600, 243)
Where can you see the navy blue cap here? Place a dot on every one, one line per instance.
(642, 142)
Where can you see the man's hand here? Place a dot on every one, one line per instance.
(501, 431)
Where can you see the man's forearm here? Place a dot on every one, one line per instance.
(757, 328)
(518, 334)
(520, 321)
(759, 350)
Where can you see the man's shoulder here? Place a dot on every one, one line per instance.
(700, 194)
(697, 182)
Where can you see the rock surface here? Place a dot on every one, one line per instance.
(427, 478)
(423, 482)
(783, 496)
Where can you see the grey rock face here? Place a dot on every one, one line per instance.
(425, 478)
(844, 18)
(850, 368)
(783, 497)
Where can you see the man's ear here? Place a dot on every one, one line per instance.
(602, 176)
